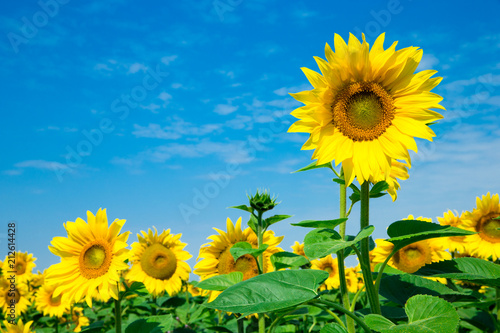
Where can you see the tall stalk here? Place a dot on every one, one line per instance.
(260, 263)
(365, 250)
(340, 257)
(118, 315)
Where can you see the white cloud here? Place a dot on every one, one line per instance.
(136, 67)
(151, 107)
(224, 109)
(13, 172)
(429, 61)
(168, 59)
(285, 90)
(229, 74)
(176, 129)
(41, 165)
(176, 85)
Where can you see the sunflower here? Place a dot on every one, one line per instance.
(484, 219)
(91, 258)
(193, 290)
(19, 296)
(38, 279)
(367, 107)
(298, 248)
(49, 305)
(218, 260)
(158, 261)
(330, 265)
(456, 243)
(77, 318)
(17, 328)
(22, 266)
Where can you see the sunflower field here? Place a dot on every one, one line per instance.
(366, 109)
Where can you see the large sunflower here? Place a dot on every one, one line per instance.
(49, 305)
(367, 107)
(330, 265)
(158, 261)
(218, 260)
(91, 258)
(22, 265)
(485, 220)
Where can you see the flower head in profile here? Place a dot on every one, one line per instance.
(159, 261)
(217, 259)
(92, 257)
(485, 220)
(367, 107)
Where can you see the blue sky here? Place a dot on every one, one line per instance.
(166, 113)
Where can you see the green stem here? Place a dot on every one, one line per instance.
(241, 327)
(498, 306)
(337, 319)
(260, 238)
(355, 299)
(365, 250)
(340, 256)
(381, 271)
(118, 316)
(341, 309)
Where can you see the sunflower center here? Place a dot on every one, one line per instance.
(363, 111)
(95, 259)
(55, 301)
(411, 257)
(245, 264)
(159, 262)
(488, 228)
(20, 268)
(8, 296)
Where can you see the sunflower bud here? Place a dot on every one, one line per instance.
(262, 202)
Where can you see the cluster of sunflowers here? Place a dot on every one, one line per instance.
(94, 258)
(364, 112)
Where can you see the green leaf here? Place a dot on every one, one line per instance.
(333, 328)
(243, 207)
(466, 269)
(143, 326)
(270, 292)
(165, 321)
(406, 232)
(322, 242)
(426, 314)
(379, 187)
(314, 166)
(253, 222)
(274, 219)
(243, 248)
(221, 282)
(319, 224)
(399, 288)
(282, 260)
(339, 181)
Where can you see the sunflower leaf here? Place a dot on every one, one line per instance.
(289, 288)
(243, 207)
(221, 282)
(339, 181)
(399, 288)
(287, 260)
(274, 219)
(333, 328)
(466, 269)
(243, 248)
(320, 224)
(407, 232)
(379, 187)
(426, 314)
(322, 242)
(314, 166)
(252, 222)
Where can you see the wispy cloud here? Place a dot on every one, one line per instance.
(429, 61)
(136, 67)
(224, 109)
(36, 164)
(176, 129)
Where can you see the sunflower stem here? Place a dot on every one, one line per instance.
(118, 316)
(260, 238)
(365, 250)
(498, 306)
(241, 327)
(341, 309)
(343, 284)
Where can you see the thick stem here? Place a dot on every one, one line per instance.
(241, 327)
(340, 256)
(365, 250)
(260, 238)
(118, 316)
(498, 307)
